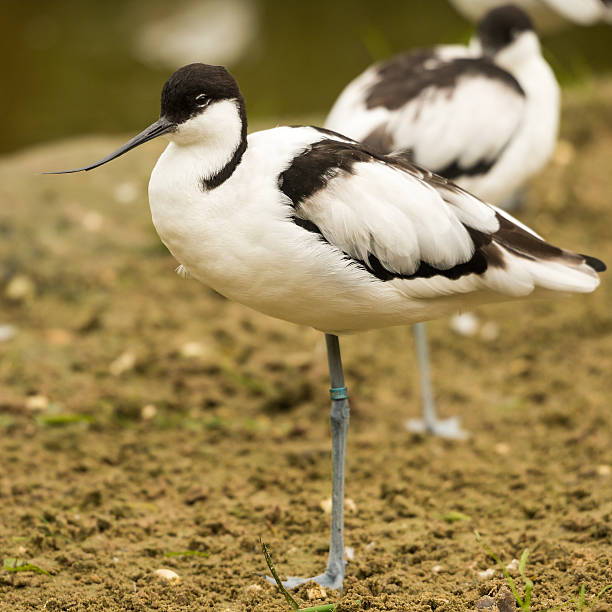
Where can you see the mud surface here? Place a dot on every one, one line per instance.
(142, 415)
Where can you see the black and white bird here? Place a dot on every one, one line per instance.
(311, 227)
(548, 14)
(485, 116)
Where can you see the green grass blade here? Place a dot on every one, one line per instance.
(523, 563)
(274, 573)
(21, 565)
(187, 553)
(601, 593)
(509, 579)
(453, 517)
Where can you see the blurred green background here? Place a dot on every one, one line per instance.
(85, 66)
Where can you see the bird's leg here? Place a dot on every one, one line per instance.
(333, 576)
(447, 428)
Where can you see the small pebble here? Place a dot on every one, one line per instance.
(316, 592)
(349, 505)
(167, 574)
(37, 403)
(7, 332)
(192, 349)
(513, 565)
(253, 588)
(20, 288)
(349, 553)
(604, 470)
(436, 569)
(465, 324)
(486, 574)
(125, 362)
(148, 412)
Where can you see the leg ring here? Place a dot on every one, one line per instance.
(338, 393)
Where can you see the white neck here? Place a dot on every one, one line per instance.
(213, 137)
(523, 50)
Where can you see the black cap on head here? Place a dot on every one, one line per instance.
(193, 87)
(501, 25)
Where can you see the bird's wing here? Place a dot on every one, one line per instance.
(454, 115)
(400, 221)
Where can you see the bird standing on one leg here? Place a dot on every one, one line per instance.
(484, 116)
(311, 227)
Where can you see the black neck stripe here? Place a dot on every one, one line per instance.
(224, 173)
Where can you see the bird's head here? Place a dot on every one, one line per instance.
(506, 35)
(199, 102)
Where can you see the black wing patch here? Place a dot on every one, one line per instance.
(313, 168)
(404, 77)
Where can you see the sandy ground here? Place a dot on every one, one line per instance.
(143, 415)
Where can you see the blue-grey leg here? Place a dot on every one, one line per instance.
(446, 428)
(333, 576)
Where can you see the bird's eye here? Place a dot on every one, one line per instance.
(201, 99)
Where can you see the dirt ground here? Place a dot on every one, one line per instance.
(141, 414)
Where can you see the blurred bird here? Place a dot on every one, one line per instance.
(311, 227)
(548, 14)
(485, 116)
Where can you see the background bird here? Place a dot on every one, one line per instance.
(548, 14)
(283, 222)
(485, 116)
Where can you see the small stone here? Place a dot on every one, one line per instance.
(37, 403)
(148, 412)
(505, 600)
(7, 332)
(513, 565)
(253, 588)
(349, 553)
(436, 569)
(20, 288)
(502, 448)
(465, 324)
(486, 574)
(485, 603)
(316, 592)
(604, 470)
(125, 362)
(167, 574)
(192, 349)
(349, 505)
